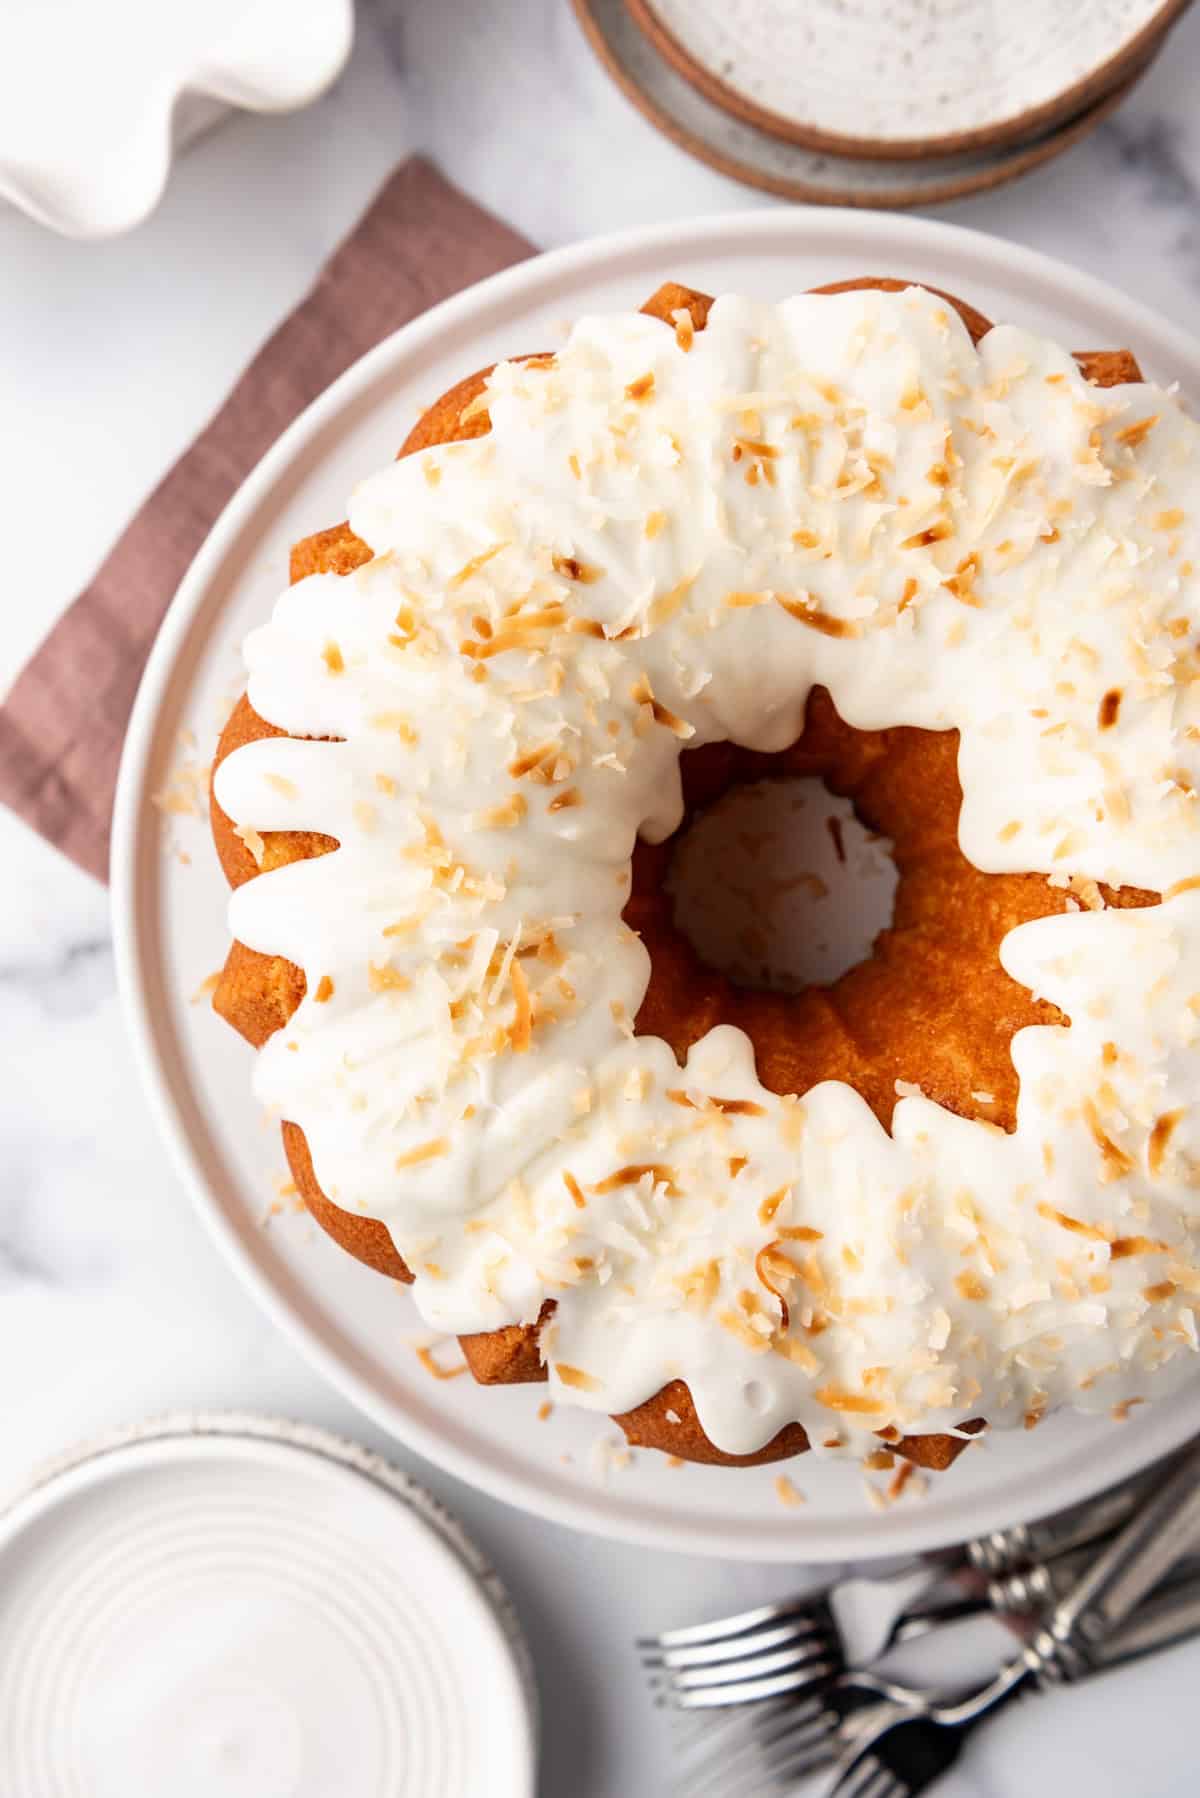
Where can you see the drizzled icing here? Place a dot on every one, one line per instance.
(667, 540)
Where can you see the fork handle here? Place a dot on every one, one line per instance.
(1004, 1551)
(1164, 1619)
(1134, 1562)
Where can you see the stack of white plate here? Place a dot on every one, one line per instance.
(236, 1607)
(876, 102)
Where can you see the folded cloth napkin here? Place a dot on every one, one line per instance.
(63, 723)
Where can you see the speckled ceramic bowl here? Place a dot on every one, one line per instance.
(906, 79)
(677, 107)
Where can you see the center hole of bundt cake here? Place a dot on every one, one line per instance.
(779, 886)
(881, 970)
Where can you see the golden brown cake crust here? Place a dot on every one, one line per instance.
(937, 1002)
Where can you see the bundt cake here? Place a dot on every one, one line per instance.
(861, 535)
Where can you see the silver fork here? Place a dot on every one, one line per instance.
(897, 1748)
(769, 1747)
(775, 1650)
(749, 1658)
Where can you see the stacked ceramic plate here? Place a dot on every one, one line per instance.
(236, 1607)
(876, 102)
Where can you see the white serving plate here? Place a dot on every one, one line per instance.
(237, 1607)
(98, 96)
(171, 932)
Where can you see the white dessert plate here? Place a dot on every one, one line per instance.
(234, 1607)
(170, 902)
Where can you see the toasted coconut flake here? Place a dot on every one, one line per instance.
(432, 1366)
(642, 388)
(786, 1493)
(576, 1191)
(1110, 709)
(685, 329)
(792, 1349)
(642, 693)
(637, 1171)
(700, 1285)
(468, 569)
(738, 1325)
(1132, 435)
(934, 533)
(968, 1285)
(904, 1474)
(385, 978)
(746, 1108)
(425, 1151)
(1160, 1137)
(1123, 1246)
(576, 1377)
(775, 1272)
(333, 659)
(835, 1398)
(324, 990)
(1115, 1161)
(253, 841)
(521, 1033)
(806, 611)
(666, 605)
(772, 1202)
(1074, 1224)
(962, 582)
(474, 408)
(529, 759)
(505, 816)
(572, 569)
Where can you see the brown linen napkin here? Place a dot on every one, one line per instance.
(63, 723)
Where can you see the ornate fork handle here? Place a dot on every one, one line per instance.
(1072, 1637)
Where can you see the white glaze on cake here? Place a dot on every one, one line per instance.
(666, 541)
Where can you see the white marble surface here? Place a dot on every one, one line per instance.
(113, 1302)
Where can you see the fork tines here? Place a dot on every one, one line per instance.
(871, 1779)
(758, 1750)
(748, 1658)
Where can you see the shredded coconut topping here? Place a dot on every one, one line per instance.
(667, 538)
